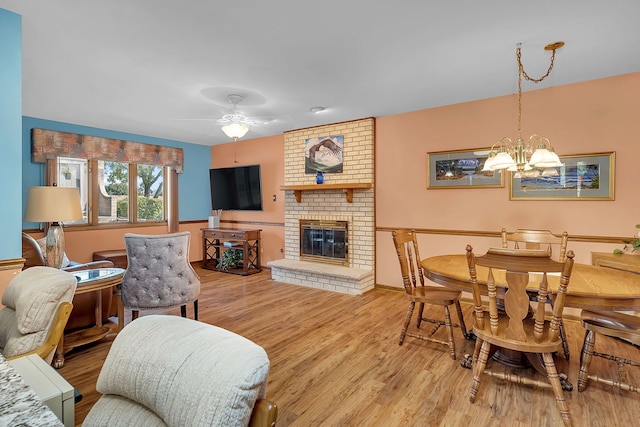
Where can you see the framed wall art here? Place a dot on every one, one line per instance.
(582, 177)
(461, 169)
(323, 154)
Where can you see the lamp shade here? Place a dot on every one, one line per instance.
(53, 204)
(235, 130)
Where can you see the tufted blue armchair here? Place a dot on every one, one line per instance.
(159, 274)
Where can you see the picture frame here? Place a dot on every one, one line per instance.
(461, 169)
(324, 154)
(582, 177)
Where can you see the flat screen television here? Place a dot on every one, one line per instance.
(236, 188)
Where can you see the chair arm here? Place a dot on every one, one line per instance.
(264, 414)
(89, 265)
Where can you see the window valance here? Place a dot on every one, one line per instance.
(50, 144)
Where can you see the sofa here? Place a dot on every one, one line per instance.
(167, 370)
(83, 314)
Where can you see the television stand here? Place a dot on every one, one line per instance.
(217, 241)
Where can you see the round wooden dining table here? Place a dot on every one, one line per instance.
(590, 287)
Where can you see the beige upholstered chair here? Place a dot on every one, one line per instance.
(622, 326)
(37, 305)
(170, 371)
(159, 274)
(514, 328)
(541, 240)
(406, 245)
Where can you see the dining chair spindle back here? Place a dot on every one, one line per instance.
(406, 244)
(518, 327)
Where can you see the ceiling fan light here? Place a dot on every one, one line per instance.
(235, 130)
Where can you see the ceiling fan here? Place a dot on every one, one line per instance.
(235, 125)
(234, 122)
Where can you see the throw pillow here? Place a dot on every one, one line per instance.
(35, 294)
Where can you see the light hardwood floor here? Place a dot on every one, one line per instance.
(335, 361)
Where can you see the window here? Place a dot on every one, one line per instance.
(109, 195)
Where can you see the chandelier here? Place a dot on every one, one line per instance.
(525, 158)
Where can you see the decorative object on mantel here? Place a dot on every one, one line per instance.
(537, 153)
(346, 187)
(631, 248)
(323, 154)
(319, 178)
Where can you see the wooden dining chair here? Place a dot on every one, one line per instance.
(513, 328)
(541, 240)
(406, 244)
(537, 239)
(625, 327)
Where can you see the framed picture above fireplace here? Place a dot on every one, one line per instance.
(323, 154)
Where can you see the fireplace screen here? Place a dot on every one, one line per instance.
(324, 241)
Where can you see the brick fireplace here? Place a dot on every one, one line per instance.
(328, 204)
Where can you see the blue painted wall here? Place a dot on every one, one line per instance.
(10, 134)
(193, 184)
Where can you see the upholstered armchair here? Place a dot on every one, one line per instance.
(170, 371)
(83, 314)
(37, 305)
(159, 274)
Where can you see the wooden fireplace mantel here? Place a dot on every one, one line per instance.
(346, 187)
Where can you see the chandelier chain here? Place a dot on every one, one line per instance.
(521, 73)
(524, 73)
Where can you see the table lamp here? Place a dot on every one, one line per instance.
(53, 205)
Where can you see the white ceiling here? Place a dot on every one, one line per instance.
(163, 68)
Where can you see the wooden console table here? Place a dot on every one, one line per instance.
(216, 241)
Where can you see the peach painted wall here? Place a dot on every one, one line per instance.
(269, 153)
(589, 117)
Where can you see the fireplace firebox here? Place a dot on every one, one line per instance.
(324, 241)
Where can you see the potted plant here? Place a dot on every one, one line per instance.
(67, 173)
(231, 258)
(633, 247)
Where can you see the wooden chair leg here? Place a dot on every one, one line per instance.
(407, 319)
(585, 359)
(420, 315)
(183, 310)
(565, 343)
(195, 309)
(447, 321)
(463, 326)
(554, 379)
(479, 363)
(134, 314)
(476, 350)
